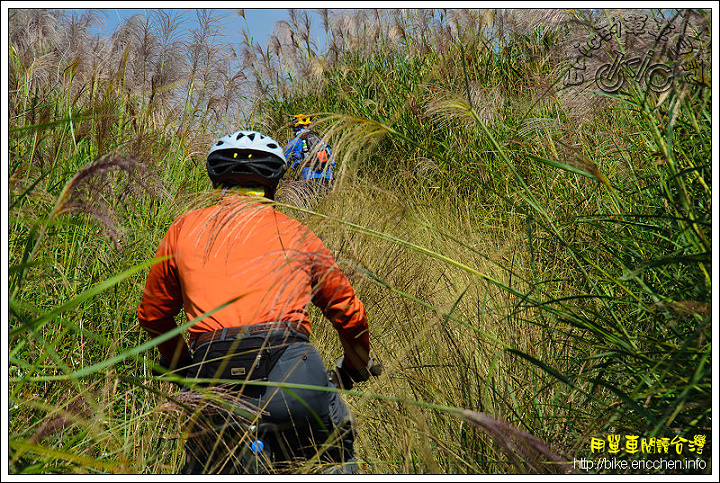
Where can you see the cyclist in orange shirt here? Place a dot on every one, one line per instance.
(256, 270)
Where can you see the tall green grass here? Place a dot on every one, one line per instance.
(535, 264)
(613, 276)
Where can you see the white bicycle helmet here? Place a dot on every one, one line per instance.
(247, 158)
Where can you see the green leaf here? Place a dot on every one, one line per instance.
(563, 166)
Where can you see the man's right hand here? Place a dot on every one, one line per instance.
(345, 378)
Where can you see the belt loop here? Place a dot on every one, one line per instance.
(224, 333)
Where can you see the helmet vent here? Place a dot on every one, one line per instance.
(272, 145)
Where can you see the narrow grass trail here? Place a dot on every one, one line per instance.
(534, 252)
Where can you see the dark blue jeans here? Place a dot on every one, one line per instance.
(308, 418)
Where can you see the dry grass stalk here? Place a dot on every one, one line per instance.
(212, 419)
(91, 191)
(203, 407)
(65, 417)
(452, 109)
(524, 449)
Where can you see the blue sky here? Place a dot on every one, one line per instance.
(260, 21)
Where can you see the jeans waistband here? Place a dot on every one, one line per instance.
(290, 330)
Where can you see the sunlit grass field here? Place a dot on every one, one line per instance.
(534, 256)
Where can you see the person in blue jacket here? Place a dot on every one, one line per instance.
(308, 152)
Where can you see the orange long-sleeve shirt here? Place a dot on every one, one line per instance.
(273, 263)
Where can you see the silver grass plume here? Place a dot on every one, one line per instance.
(450, 108)
(91, 192)
(524, 449)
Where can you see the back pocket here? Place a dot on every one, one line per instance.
(228, 361)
